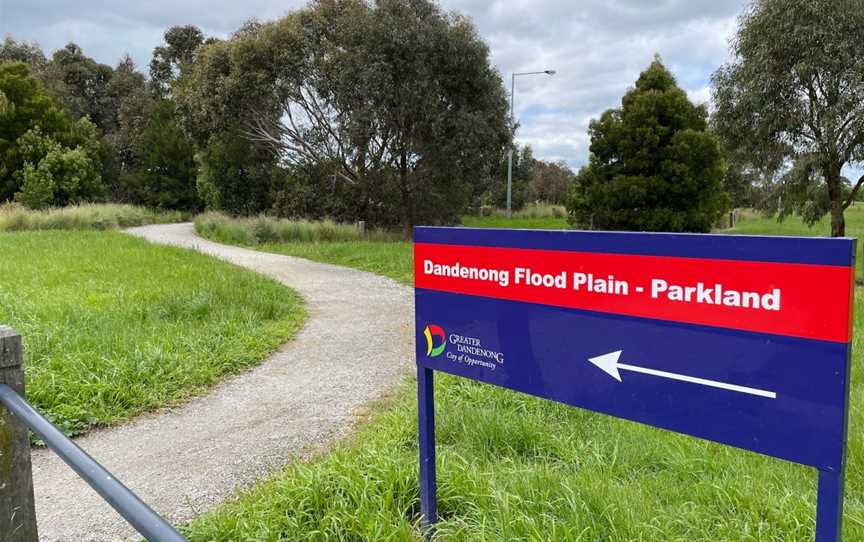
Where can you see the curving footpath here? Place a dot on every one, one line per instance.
(357, 343)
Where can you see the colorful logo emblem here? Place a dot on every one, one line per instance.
(435, 331)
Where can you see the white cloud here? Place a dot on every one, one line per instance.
(598, 47)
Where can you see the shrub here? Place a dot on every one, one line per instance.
(537, 209)
(264, 229)
(89, 216)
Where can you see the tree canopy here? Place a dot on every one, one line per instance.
(397, 100)
(790, 104)
(45, 157)
(654, 165)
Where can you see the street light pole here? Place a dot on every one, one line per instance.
(513, 132)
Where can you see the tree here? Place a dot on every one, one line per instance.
(551, 182)
(181, 44)
(164, 169)
(792, 100)
(234, 175)
(20, 51)
(133, 105)
(396, 99)
(82, 85)
(523, 173)
(55, 174)
(35, 128)
(654, 166)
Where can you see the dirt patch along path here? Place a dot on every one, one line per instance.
(356, 345)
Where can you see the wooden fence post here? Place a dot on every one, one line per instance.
(17, 508)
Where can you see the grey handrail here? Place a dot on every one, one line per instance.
(127, 504)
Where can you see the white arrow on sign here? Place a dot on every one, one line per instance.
(609, 364)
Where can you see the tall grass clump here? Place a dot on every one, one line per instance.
(542, 210)
(538, 209)
(87, 216)
(262, 230)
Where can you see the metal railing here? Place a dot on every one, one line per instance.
(147, 522)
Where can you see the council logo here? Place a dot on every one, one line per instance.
(435, 331)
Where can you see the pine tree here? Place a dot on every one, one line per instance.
(654, 165)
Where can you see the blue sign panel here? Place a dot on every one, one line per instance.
(739, 340)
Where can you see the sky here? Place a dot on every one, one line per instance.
(597, 47)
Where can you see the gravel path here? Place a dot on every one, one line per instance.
(355, 346)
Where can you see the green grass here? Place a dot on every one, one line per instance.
(512, 467)
(88, 216)
(529, 223)
(755, 224)
(326, 242)
(114, 326)
(394, 260)
(264, 229)
(532, 216)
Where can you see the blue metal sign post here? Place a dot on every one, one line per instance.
(740, 340)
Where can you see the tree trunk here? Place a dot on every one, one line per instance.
(832, 179)
(407, 204)
(838, 221)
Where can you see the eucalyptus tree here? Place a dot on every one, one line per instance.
(791, 101)
(395, 99)
(180, 43)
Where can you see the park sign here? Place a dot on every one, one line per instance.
(740, 340)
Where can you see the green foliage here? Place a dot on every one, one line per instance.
(551, 182)
(234, 175)
(142, 154)
(46, 158)
(524, 166)
(57, 175)
(267, 230)
(103, 216)
(115, 325)
(395, 100)
(654, 165)
(82, 85)
(534, 216)
(179, 48)
(165, 172)
(20, 51)
(792, 102)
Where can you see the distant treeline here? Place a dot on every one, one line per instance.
(390, 113)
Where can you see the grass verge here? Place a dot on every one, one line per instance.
(513, 467)
(114, 325)
(264, 229)
(88, 216)
(532, 216)
(752, 223)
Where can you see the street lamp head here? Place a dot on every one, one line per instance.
(550, 72)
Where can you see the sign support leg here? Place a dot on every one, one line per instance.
(829, 507)
(426, 415)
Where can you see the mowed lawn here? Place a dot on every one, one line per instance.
(513, 467)
(114, 325)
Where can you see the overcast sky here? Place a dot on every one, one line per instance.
(598, 47)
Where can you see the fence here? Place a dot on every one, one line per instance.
(17, 507)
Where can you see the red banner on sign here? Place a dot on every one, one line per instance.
(779, 298)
